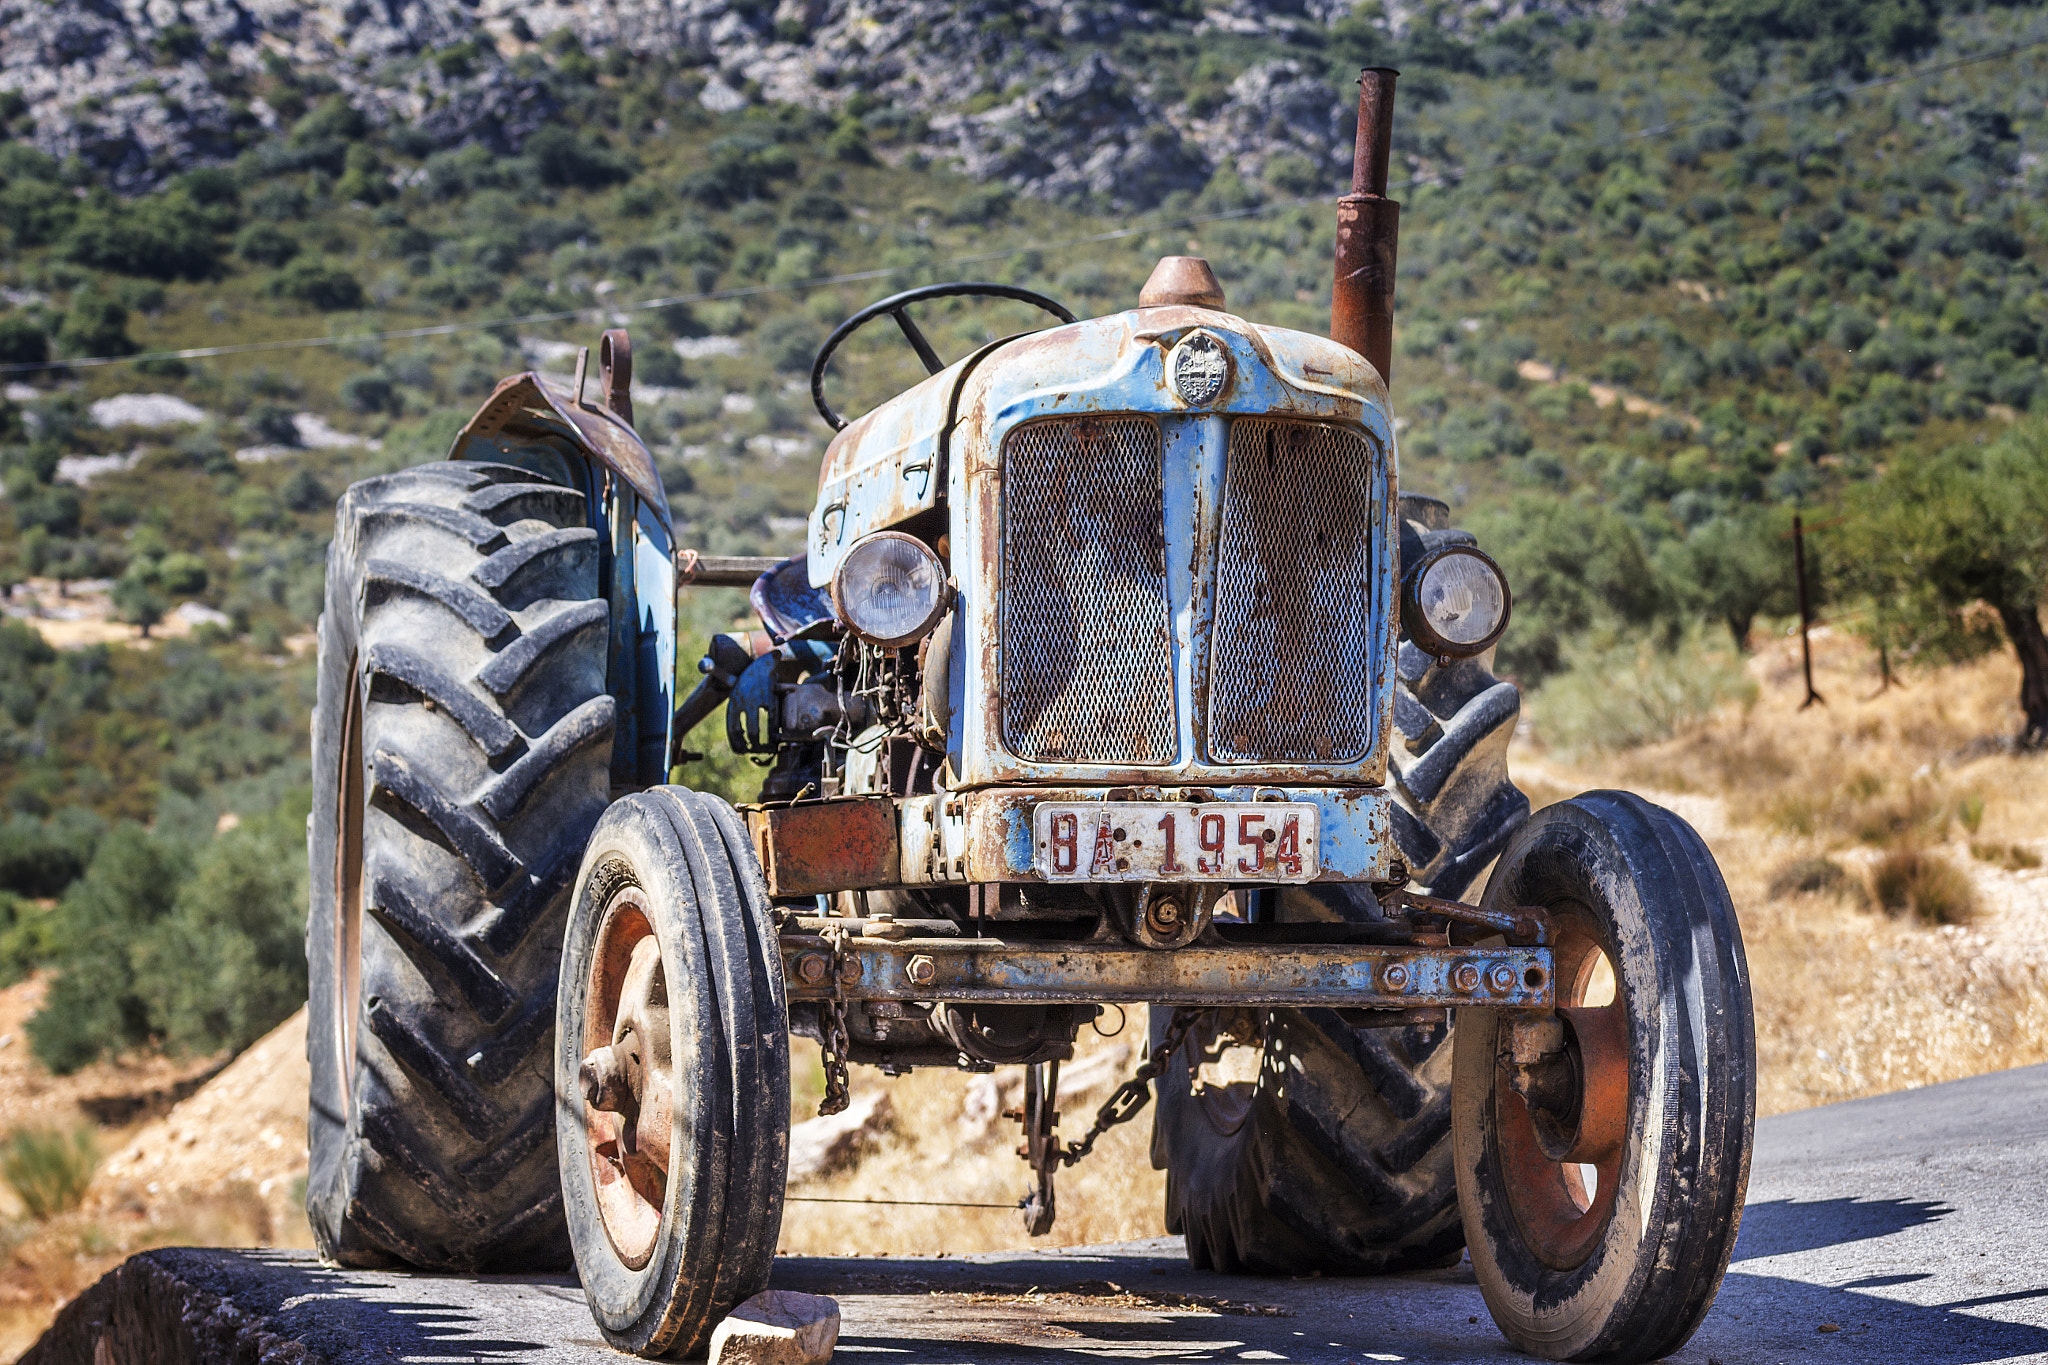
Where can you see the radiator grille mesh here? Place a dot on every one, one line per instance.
(1290, 677)
(1086, 666)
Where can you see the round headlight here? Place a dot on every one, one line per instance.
(890, 589)
(1455, 602)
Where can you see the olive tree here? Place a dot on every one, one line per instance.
(1937, 540)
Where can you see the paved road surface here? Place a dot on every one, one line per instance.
(1913, 1225)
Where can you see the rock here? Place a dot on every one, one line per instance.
(1280, 107)
(820, 1144)
(1089, 132)
(779, 1327)
(140, 91)
(145, 410)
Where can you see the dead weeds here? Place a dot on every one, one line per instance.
(1826, 818)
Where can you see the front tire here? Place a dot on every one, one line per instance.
(462, 743)
(1650, 1084)
(672, 1072)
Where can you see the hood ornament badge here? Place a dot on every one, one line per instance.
(1198, 369)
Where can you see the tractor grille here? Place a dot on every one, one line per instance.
(1086, 665)
(1290, 677)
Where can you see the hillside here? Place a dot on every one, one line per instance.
(1668, 272)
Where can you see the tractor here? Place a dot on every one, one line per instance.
(1116, 670)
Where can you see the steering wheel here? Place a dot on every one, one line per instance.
(895, 306)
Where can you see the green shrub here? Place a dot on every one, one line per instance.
(561, 156)
(93, 1007)
(368, 393)
(41, 859)
(1618, 693)
(165, 238)
(329, 288)
(48, 1170)
(22, 342)
(228, 963)
(95, 324)
(266, 244)
(28, 936)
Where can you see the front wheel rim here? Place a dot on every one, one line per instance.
(1560, 1219)
(627, 1079)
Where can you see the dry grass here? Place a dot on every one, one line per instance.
(1896, 798)
(932, 1155)
(44, 1265)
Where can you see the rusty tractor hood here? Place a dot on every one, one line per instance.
(895, 463)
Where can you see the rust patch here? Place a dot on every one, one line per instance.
(827, 846)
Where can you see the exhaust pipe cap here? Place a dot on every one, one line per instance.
(1185, 281)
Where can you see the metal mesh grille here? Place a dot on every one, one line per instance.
(1087, 673)
(1290, 677)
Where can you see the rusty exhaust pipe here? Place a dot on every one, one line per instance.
(1368, 232)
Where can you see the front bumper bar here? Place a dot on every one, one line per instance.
(1000, 971)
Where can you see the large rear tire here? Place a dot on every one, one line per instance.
(1293, 1142)
(461, 754)
(1649, 1084)
(1331, 1158)
(672, 1071)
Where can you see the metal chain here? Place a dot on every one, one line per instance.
(1134, 1094)
(833, 1050)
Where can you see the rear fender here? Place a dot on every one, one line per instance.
(539, 423)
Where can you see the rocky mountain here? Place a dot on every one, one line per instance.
(1052, 97)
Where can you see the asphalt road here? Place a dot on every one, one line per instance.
(1904, 1229)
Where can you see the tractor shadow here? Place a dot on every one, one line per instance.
(1052, 1307)
(1781, 1226)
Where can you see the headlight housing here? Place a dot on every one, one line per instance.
(890, 590)
(1455, 602)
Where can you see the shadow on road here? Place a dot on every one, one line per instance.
(1779, 1226)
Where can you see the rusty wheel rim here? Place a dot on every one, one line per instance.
(1563, 1201)
(348, 885)
(627, 1078)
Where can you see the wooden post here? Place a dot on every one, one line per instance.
(1805, 617)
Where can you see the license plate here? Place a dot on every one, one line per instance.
(1127, 841)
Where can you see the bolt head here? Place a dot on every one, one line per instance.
(1503, 977)
(1465, 978)
(810, 969)
(1395, 977)
(921, 970)
(1164, 914)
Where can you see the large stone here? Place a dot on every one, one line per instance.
(779, 1327)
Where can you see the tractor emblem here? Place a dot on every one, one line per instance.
(1198, 369)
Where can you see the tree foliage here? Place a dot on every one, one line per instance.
(1951, 550)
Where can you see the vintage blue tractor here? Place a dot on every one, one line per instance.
(1116, 671)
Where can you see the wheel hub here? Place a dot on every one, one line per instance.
(627, 1079)
(1561, 1105)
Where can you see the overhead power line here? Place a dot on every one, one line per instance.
(1434, 179)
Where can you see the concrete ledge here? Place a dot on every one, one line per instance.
(1901, 1230)
(162, 1308)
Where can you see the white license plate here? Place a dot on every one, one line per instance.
(1130, 841)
